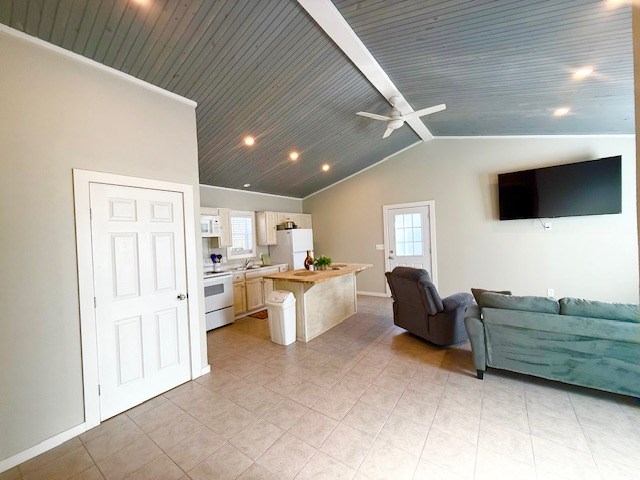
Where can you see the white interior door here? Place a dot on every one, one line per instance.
(142, 321)
(409, 232)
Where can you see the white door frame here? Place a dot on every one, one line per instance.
(81, 182)
(432, 231)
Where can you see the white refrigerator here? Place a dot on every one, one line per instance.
(292, 247)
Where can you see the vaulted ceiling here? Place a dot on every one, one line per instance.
(265, 68)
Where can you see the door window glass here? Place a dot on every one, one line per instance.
(408, 232)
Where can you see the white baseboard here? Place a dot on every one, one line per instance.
(373, 294)
(41, 447)
(205, 370)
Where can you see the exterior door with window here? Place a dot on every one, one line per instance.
(409, 236)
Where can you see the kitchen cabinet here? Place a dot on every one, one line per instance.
(304, 220)
(255, 293)
(251, 289)
(224, 240)
(266, 224)
(216, 222)
(267, 287)
(239, 295)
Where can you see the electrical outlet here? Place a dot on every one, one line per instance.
(379, 246)
(550, 292)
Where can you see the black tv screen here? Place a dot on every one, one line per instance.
(584, 188)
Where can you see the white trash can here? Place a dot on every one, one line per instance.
(282, 317)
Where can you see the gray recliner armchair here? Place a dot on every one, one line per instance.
(418, 308)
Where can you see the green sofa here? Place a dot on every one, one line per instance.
(582, 342)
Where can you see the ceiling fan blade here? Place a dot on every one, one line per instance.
(426, 111)
(387, 132)
(373, 115)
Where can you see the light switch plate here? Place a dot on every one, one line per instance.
(379, 246)
(550, 292)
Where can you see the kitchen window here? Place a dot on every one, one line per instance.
(243, 239)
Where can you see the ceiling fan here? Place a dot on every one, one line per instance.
(397, 119)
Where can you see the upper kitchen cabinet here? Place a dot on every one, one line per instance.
(224, 240)
(216, 222)
(304, 220)
(266, 225)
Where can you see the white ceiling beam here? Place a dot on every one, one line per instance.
(325, 13)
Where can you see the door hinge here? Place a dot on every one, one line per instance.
(95, 303)
(98, 390)
(90, 215)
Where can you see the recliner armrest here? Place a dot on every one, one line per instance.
(457, 300)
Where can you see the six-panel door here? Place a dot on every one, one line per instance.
(142, 319)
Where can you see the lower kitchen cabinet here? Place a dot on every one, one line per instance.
(255, 294)
(239, 298)
(251, 290)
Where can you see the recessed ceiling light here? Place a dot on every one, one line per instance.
(294, 155)
(610, 4)
(583, 72)
(247, 185)
(249, 140)
(561, 112)
(325, 167)
(141, 2)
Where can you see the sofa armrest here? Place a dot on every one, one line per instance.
(474, 311)
(475, 330)
(457, 300)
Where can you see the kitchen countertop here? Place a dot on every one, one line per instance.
(209, 273)
(318, 276)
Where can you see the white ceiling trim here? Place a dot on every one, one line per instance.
(334, 24)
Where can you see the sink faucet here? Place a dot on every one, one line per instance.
(247, 263)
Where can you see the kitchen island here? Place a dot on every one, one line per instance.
(324, 298)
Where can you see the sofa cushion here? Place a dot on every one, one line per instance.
(512, 302)
(624, 312)
(479, 291)
(535, 322)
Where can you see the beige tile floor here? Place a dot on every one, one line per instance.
(364, 401)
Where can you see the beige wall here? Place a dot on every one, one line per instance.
(594, 257)
(252, 201)
(636, 62)
(59, 114)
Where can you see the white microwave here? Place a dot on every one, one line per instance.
(210, 225)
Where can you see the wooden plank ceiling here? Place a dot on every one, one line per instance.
(503, 66)
(264, 68)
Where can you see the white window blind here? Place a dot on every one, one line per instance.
(242, 235)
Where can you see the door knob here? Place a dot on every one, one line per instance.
(390, 258)
(181, 296)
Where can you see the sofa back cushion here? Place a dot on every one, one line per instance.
(476, 292)
(513, 302)
(624, 312)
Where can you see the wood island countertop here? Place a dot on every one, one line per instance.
(318, 276)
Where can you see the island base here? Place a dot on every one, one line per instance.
(321, 306)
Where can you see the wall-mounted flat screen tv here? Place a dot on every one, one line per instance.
(584, 188)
